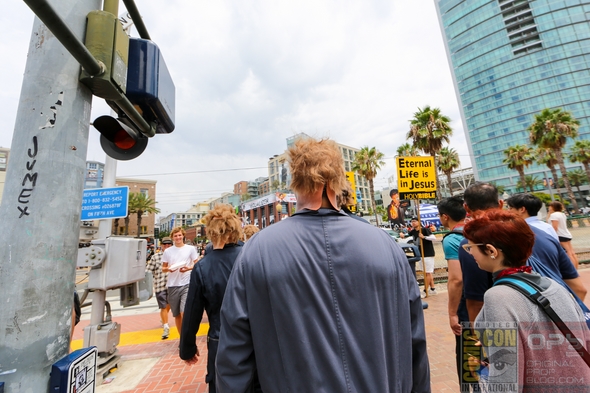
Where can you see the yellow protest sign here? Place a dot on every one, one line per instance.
(416, 177)
(350, 178)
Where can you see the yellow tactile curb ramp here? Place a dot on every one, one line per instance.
(145, 336)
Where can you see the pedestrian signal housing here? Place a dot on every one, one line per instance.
(135, 83)
(119, 140)
(149, 85)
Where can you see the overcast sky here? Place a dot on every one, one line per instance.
(249, 74)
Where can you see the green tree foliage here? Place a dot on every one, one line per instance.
(448, 161)
(577, 178)
(546, 156)
(500, 188)
(546, 198)
(366, 163)
(551, 129)
(407, 150)
(139, 203)
(382, 212)
(530, 182)
(163, 234)
(518, 157)
(429, 129)
(580, 152)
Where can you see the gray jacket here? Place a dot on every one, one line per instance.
(321, 302)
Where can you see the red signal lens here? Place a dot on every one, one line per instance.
(123, 140)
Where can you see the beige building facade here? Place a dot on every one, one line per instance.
(147, 187)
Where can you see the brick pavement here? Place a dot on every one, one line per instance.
(170, 374)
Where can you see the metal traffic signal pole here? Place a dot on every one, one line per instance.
(41, 205)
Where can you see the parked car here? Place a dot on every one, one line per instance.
(391, 233)
(397, 238)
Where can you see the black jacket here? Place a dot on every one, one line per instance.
(208, 281)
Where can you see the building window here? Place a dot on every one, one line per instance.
(144, 229)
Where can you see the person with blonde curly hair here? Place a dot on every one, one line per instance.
(321, 301)
(207, 286)
(249, 231)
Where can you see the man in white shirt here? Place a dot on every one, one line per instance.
(527, 206)
(178, 261)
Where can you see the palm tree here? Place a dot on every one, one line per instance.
(551, 129)
(140, 203)
(519, 157)
(577, 178)
(382, 211)
(429, 129)
(448, 161)
(366, 163)
(126, 219)
(581, 153)
(500, 188)
(117, 224)
(407, 150)
(246, 197)
(531, 182)
(547, 157)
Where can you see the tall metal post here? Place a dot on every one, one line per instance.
(41, 205)
(104, 231)
(549, 185)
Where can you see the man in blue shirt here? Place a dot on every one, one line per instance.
(527, 206)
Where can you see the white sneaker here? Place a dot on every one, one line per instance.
(422, 295)
(432, 291)
(166, 332)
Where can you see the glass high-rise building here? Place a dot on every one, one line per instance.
(510, 59)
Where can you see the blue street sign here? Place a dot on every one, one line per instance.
(103, 203)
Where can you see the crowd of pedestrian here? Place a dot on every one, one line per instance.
(323, 302)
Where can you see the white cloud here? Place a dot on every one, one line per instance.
(249, 74)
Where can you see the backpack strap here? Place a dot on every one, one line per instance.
(530, 291)
(454, 231)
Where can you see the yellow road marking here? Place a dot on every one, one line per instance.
(145, 336)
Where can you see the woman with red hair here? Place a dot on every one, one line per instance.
(524, 347)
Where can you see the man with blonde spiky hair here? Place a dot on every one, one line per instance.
(322, 302)
(207, 286)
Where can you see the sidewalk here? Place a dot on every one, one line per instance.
(151, 365)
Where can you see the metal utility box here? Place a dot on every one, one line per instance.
(105, 337)
(75, 373)
(124, 263)
(109, 44)
(149, 84)
(129, 295)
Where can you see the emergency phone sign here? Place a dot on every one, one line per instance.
(416, 177)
